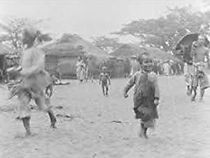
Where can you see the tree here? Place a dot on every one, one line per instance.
(13, 29)
(165, 31)
(106, 44)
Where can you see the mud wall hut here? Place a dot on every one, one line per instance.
(62, 55)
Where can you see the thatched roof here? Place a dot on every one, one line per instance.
(74, 45)
(62, 49)
(129, 50)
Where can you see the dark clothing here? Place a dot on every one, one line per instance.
(145, 92)
(104, 79)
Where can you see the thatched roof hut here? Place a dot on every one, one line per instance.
(64, 53)
(69, 41)
(127, 50)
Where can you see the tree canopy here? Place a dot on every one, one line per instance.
(106, 44)
(165, 31)
(13, 28)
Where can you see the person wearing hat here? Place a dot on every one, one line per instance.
(146, 94)
(104, 80)
(34, 79)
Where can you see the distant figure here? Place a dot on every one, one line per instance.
(166, 68)
(86, 68)
(146, 95)
(80, 69)
(188, 67)
(104, 80)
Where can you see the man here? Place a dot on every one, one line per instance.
(199, 54)
(34, 80)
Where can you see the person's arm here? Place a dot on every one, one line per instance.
(109, 79)
(157, 91)
(100, 79)
(207, 56)
(193, 51)
(37, 58)
(129, 85)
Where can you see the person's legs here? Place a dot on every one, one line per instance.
(143, 130)
(188, 84)
(145, 133)
(204, 84)
(103, 88)
(24, 110)
(189, 73)
(44, 104)
(107, 89)
(202, 91)
(194, 86)
(26, 124)
(52, 118)
(194, 89)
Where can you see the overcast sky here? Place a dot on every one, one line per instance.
(89, 17)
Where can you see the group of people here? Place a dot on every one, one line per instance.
(160, 67)
(169, 67)
(35, 80)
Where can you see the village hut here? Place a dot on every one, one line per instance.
(62, 55)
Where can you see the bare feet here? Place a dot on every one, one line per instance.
(26, 135)
(145, 136)
(201, 100)
(142, 134)
(53, 124)
(193, 99)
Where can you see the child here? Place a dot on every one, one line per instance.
(104, 78)
(146, 94)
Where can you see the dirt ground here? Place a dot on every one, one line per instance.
(93, 126)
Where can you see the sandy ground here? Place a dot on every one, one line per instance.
(104, 127)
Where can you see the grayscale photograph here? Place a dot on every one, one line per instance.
(104, 78)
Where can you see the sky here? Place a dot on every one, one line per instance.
(89, 18)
